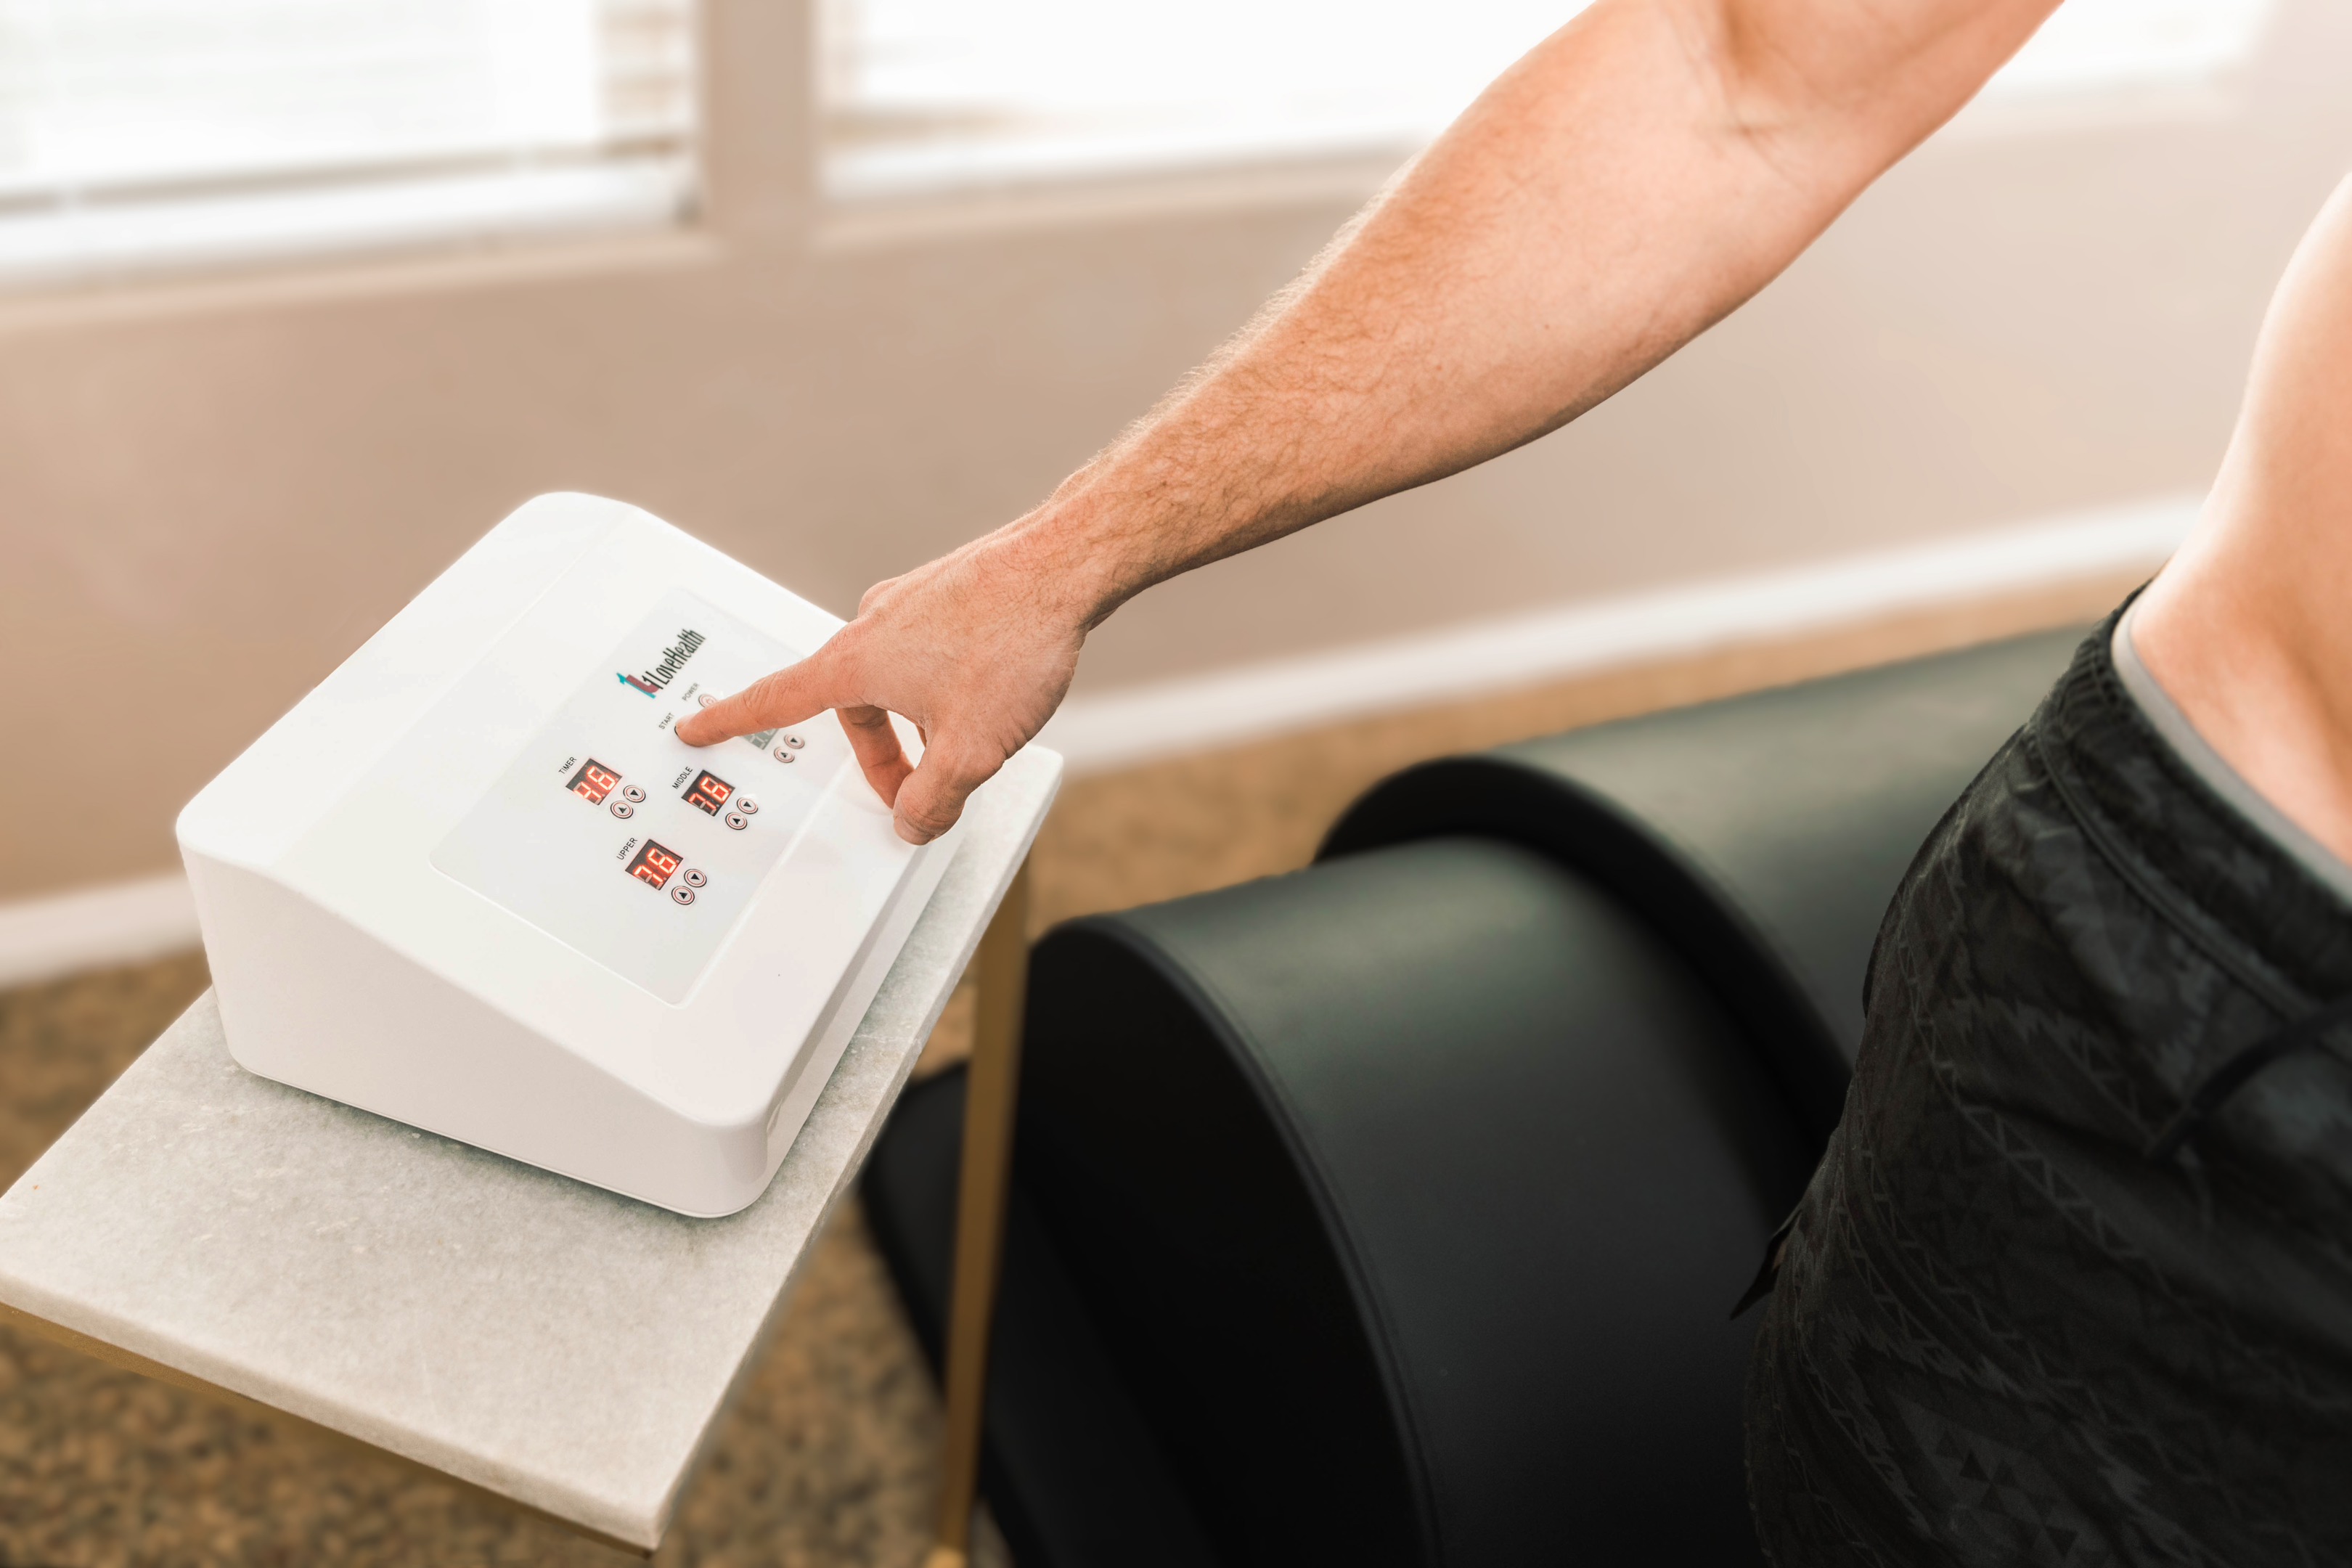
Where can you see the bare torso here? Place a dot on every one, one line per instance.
(2248, 627)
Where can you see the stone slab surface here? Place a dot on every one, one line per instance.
(556, 1344)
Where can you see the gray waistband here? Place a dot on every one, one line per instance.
(2207, 764)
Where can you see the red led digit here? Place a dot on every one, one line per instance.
(654, 864)
(707, 793)
(593, 782)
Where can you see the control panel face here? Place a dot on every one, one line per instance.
(619, 839)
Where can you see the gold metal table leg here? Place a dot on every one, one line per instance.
(990, 1085)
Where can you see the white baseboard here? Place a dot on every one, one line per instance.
(1138, 723)
(96, 928)
(125, 922)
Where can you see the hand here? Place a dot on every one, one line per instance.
(976, 649)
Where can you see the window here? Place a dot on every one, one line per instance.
(2121, 46)
(136, 133)
(921, 94)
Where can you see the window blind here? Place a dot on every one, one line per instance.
(924, 94)
(139, 133)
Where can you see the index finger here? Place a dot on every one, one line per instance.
(786, 697)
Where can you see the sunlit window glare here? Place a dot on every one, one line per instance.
(142, 131)
(924, 93)
(137, 133)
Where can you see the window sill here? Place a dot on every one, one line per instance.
(106, 257)
(853, 221)
(421, 268)
(877, 201)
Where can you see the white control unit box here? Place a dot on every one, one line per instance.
(474, 882)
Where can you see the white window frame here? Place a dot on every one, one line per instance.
(110, 234)
(755, 176)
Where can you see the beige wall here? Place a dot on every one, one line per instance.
(212, 489)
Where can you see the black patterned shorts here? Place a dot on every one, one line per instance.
(2074, 1283)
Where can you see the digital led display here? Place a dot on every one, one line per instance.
(593, 782)
(654, 865)
(707, 793)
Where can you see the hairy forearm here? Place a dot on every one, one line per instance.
(1632, 180)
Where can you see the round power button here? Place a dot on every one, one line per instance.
(681, 894)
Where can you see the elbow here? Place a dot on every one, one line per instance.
(1831, 93)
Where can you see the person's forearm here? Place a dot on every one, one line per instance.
(1635, 178)
(1632, 180)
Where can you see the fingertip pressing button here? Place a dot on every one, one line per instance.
(705, 701)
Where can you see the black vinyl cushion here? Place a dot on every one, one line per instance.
(1407, 1194)
(1389, 1212)
(1071, 1472)
(1763, 835)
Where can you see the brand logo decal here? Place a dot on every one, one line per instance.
(673, 659)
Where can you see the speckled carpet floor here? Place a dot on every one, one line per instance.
(826, 1461)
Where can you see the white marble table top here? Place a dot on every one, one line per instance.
(553, 1344)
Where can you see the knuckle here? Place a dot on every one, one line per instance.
(765, 692)
(781, 696)
(931, 816)
(965, 767)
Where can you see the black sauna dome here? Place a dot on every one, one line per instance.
(1390, 1212)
